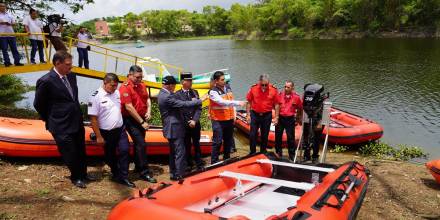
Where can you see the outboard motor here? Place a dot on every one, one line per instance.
(313, 102)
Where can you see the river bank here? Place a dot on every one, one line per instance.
(40, 188)
(297, 34)
(211, 37)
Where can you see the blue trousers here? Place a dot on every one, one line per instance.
(37, 45)
(223, 132)
(177, 157)
(137, 134)
(124, 154)
(12, 43)
(111, 138)
(83, 57)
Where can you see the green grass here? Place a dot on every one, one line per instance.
(6, 216)
(14, 112)
(42, 192)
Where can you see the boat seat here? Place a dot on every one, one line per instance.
(305, 167)
(265, 180)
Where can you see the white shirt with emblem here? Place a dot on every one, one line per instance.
(5, 17)
(107, 107)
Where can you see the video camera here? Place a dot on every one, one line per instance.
(314, 100)
(56, 18)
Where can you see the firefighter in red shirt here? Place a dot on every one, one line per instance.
(290, 112)
(136, 111)
(262, 98)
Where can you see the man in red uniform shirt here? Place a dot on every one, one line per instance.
(290, 107)
(136, 111)
(262, 98)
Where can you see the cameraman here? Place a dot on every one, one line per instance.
(55, 29)
(83, 48)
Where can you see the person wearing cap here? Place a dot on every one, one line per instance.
(222, 114)
(290, 113)
(262, 99)
(105, 115)
(174, 124)
(191, 116)
(136, 111)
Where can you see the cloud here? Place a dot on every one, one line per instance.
(104, 8)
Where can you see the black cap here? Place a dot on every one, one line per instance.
(186, 76)
(169, 80)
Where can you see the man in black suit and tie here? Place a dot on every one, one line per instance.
(174, 125)
(191, 116)
(56, 101)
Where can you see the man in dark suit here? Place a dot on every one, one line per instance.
(56, 101)
(173, 125)
(191, 116)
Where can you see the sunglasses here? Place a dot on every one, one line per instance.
(264, 85)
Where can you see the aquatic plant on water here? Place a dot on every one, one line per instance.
(385, 151)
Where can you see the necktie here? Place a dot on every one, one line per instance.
(187, 95)
(67, 84)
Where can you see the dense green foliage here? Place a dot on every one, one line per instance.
(284, 19)
(11, 90)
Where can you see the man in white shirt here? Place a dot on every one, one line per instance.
(33, 24)
(81, 47)
(6, 26)
(104, 109)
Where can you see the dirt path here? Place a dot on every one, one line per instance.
(40, 189)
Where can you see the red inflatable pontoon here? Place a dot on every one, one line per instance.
(255, 187)
(29, 138)
(434, 169)
(345, 129)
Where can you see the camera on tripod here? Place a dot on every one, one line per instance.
(56, 18)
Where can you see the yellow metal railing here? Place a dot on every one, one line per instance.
(122, 56)
(22, 37)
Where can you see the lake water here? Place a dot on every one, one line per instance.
(395, 82)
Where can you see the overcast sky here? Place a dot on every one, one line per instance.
(104, 8)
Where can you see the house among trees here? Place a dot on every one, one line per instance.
(101, 28)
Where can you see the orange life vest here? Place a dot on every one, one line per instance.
(219, 112)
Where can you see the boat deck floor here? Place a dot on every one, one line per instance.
(266, 200)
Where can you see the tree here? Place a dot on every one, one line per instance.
(118, 29)
(12, 90)
(46, 5)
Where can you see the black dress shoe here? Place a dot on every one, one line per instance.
(148, 178)
(19, 64)
(79, 184)
(124, 182)
(8, 64)
(89, 178)
(176, 178)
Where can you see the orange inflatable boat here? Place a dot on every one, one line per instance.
(345, 129)
(434, 169)
(29, 138)
(254, 187)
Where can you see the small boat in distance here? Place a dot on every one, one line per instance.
(254, 187)
(139, 44)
